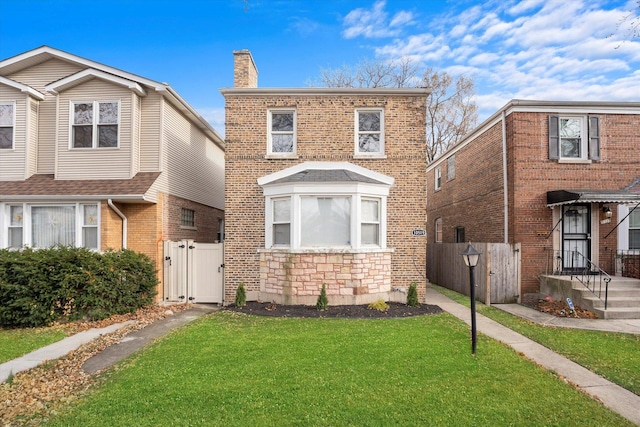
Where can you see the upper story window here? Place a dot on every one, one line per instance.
(634, 229)
(369, 131)
(7, 124)
(451, 168)
(438, 178)
(438, 227)
(282, 132)
(94, 124)
(574, 138)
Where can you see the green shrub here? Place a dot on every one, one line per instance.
(412, 296)
(241, 296)
(379, 305)
(323, 302)
(40, 286)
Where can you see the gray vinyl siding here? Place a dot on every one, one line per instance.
(150, 132)
(12, 162)
(38, 77)
(194, 165)
(94, 163)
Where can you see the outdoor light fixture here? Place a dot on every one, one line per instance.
(607, 212)
(471, 257)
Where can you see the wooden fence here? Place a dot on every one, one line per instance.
(497, 275)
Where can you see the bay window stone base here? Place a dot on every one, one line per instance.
(292, 277)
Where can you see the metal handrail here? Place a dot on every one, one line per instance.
(589, 274)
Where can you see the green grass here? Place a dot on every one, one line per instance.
(231, 369)
(614, 356)
(17, 342)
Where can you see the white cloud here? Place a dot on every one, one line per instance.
(374, 23)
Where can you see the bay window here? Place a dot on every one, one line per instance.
(282, 221)
(94, 124)
(325, 221)
(46, 225)
(370, 222)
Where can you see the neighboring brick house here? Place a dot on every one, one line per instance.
(555, 177)
(323, 186)
(97, 157)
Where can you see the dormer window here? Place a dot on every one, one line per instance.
(94, 124)
(7, 122)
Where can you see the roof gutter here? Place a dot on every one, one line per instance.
(124, 222)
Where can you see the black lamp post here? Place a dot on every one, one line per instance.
(471, 256)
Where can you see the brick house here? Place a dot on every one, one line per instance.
(97, 157)
(556, 177)
(323, 186)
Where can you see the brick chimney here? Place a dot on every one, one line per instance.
(245, 73)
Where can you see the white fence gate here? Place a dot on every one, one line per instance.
(193, 272)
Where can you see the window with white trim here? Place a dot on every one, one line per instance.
(369, 125)
(94, 124)
(325, 221)
(7, 125)
(451, 167)
(281, 221)
(282, 132)
(370, 224)
(574, 137)
(438, 178)
(634, 229)
(43, 225)
(438, 227)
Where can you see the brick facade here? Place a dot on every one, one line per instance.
(325, 133)
(475, 198)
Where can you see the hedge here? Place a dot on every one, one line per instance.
(38, 287)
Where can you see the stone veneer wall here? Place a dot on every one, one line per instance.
(350, 277)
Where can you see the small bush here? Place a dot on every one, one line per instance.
(241, 296)
(64, 283)
(379, 305)
(412, 296)
(323, 302)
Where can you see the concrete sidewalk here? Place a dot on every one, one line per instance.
(112, 354)
(611, 395)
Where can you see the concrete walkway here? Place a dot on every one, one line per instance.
(611, 395)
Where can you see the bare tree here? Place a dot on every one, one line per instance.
(451, 109)
(631, 21)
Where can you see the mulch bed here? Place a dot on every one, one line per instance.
(560, 308)
(336, 311)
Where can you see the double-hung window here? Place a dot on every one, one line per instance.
(438, 178)
(281, 132)
(94, 124)
(282, 221)
(46, 225)
(369, 125)
(370, 224)
(634, 229)
(574, 138)
(7, 125)
(451, 167)
(438, 227)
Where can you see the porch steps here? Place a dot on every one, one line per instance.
(623, 300)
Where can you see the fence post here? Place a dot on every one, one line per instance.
(487, 279)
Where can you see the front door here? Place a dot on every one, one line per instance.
(576, 236)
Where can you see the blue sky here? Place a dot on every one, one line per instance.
(531, 49)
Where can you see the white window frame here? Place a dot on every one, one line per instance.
(358, 132)
(584, 140)
(635, 213)
(94, 125)
(13, 124)
(273, 222)
(437, 178)
(271, 132)
(27, 238)
(370, 222)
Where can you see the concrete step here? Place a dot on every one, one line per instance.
(615, 302)
(617, 313)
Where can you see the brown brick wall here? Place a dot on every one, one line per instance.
(478, 197)
(207, 220)
(325, 132)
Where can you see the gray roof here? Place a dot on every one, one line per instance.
(333, 175)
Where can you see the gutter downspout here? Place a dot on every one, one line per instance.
(505, 180)
(124, 222)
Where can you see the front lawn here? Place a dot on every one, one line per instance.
(612, 355)
(17, 342)
(231, 369)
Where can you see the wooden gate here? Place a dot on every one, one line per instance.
(193, 272)
(497, 275)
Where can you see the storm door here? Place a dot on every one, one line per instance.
(576, 236)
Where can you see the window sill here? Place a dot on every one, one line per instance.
(326, 250)
(576, 161)
(370, 156)
(281, 156)
(187, 227)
